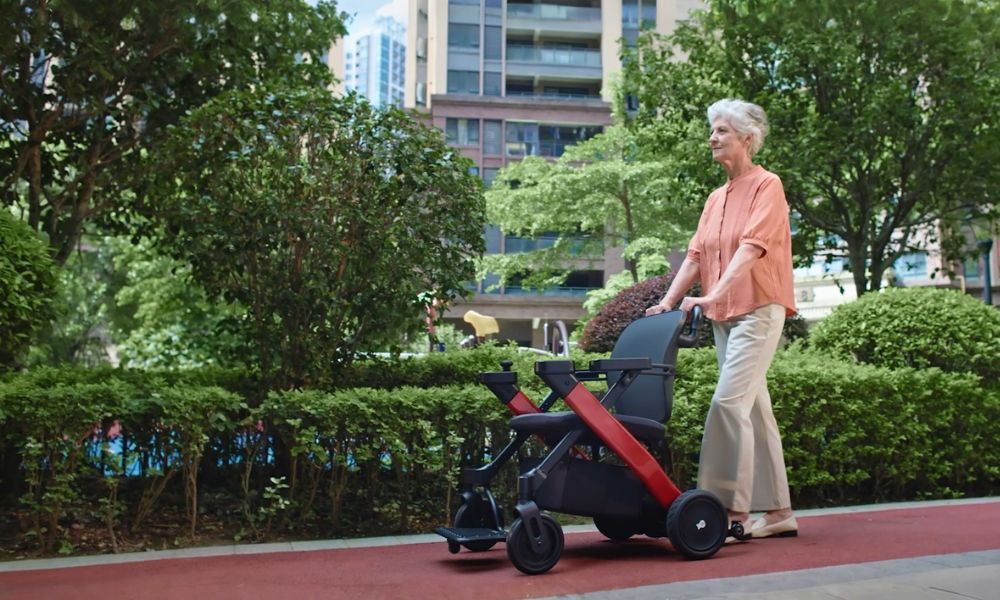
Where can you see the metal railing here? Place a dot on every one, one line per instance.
(554, 56)
(555, 95)
(553, 12)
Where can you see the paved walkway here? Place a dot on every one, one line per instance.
(941, 550)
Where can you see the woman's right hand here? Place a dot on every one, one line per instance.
(658, 308)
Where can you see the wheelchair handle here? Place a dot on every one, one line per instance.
(689, 338)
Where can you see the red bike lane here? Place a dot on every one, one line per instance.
(589, 563)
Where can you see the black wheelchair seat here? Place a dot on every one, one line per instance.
(556, 424)
(647, 402)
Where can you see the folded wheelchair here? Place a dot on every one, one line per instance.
(625, 497)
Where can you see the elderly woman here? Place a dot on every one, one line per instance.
(741, 253)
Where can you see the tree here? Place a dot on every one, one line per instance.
(27, 283)
(600, 193)
(882, 113)
(324, 217)
(87, 86)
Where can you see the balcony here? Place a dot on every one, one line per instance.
(554, 18)
(553, 62)
(595, 97)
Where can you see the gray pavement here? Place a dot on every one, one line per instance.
(971, 575)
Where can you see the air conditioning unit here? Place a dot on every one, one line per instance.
(421, 93)
(421, 47)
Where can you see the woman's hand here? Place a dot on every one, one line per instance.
(656, 309)
(689, 302)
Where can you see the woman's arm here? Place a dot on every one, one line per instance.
(746, 255)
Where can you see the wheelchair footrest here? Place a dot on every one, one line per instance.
(462, 535)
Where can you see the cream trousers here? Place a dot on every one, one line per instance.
(741, 458)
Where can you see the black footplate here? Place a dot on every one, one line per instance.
(464, 535)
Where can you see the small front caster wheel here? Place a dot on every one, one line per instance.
(471, 516)
(737, 531)
(522, 550)
(697, 524)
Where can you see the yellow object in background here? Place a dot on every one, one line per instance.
(483, 324)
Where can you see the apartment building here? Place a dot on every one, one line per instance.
(505, 79)
(372, 63)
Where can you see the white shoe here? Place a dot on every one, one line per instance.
(785, 528)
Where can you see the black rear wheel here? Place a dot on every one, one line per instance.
(525, 556)
(697, 524)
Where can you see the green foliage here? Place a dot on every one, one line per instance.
(161, 317)
(143, 306)
(58, 421)
(600, 193)
(383, 456)
(918, 328)
(27, 284)
(87, 86)
(324, 217)
(856, 433)
(77, 332)
(871, 105)
(437, 369)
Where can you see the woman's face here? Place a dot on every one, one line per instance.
(726, 144)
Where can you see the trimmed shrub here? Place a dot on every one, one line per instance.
(856, 433)
(918, 328)
(27, 286)
(601, 332)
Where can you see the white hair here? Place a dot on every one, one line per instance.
(745, 117)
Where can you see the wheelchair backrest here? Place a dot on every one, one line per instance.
(656, 337)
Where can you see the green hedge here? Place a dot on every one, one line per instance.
(367, 461)
(858, 433)
(915, 327)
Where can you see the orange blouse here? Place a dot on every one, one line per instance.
(750, 208)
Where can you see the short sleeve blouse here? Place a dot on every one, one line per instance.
(749, 209)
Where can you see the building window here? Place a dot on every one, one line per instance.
(491, 84)
(462, 132)
(493, 236)
(911, 266)
(463, 82)
(554, 139)
(488, 176)
(463, 36)
(522, 139)
(494, 43)
(491, 138)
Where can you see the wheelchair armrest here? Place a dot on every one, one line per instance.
(554, 367)
(590, 375)
(500, 377)
(620, 364)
